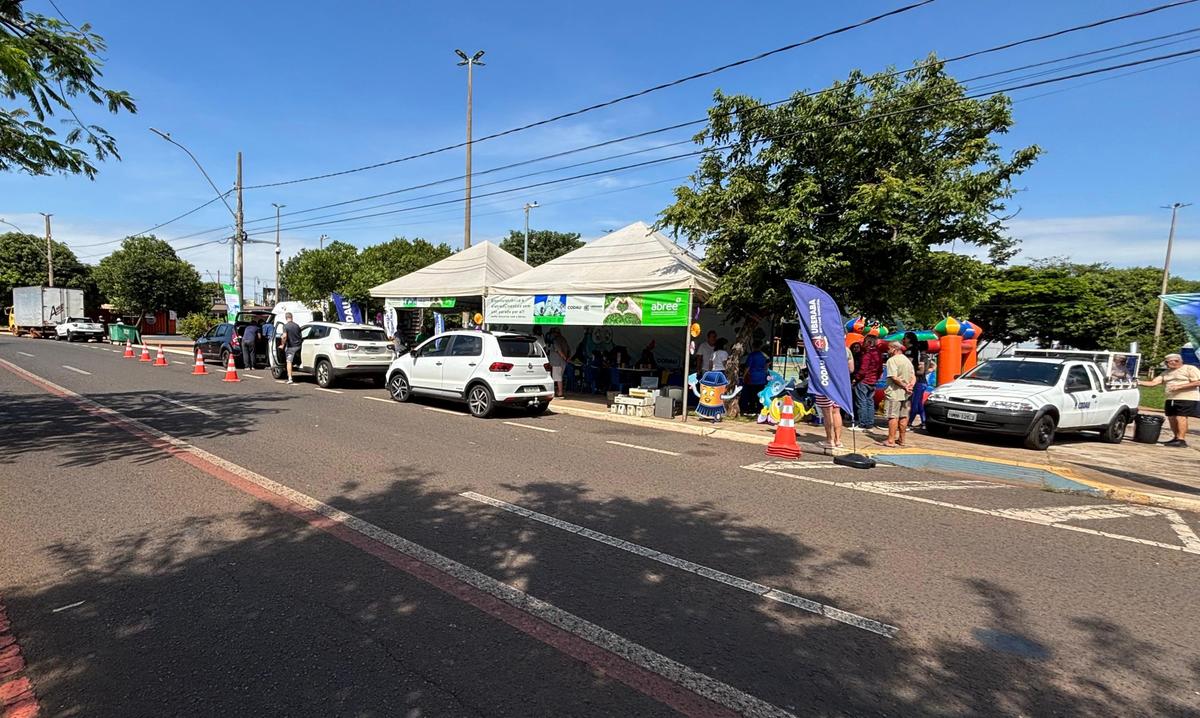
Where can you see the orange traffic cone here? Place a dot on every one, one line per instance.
(160, 360)
(128, 350)
(231, 371)
(145, 354)
(200, 368)
(784, 446)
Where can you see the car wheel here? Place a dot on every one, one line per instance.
(324, 371)
(1114, 433)
(278, 372)
(398, 387)
(70, 336)
(225, 359)
(1041, 433)
(537, 409)
(480, 401)
(934, 428)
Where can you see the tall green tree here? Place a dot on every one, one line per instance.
(385, 261)
(313, 274)
(23, 264)
(1083, 306)
(866, 189)
(145, 275)
(544, 244)
(45, 64)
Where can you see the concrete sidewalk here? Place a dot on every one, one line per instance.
(1137, 473)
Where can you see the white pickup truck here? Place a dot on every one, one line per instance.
(1035, 393)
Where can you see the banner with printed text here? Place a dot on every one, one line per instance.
(650, 309)
(233, 303)
(420, 302)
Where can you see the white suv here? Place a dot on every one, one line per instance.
(329, 350)
(79, 328)
(481, 368)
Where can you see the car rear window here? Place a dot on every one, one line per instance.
(364, 335)
(519, 347)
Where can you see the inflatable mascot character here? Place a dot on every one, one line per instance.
(709, 389)
(771, 399)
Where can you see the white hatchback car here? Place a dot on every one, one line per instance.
(483, 369)
(330, 350)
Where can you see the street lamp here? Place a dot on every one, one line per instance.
(278, 293)
(470, 62)
(1166, 269)
(528, 206)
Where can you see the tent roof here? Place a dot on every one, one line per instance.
(468, 273)
(631, 259)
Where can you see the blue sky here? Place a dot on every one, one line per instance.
(307, 88)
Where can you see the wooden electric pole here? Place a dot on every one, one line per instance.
(49, 253)
(239, 239)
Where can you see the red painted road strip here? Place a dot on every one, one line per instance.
(644, 681)
(17, 699)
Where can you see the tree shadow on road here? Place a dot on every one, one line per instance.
(250, 611)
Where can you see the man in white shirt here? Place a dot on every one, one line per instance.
(705, 352)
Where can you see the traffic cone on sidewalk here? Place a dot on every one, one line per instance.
(161, 359)
(145, 354)
(784, 446)
(128, 350)
(231, 371)
(200, 368)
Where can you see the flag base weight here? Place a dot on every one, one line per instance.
(855, 461)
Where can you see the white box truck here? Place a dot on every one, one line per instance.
(37, 310)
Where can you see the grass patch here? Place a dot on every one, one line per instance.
(1153, 397)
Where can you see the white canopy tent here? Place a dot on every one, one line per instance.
(631, 277)
(629, 260)
(469, 273)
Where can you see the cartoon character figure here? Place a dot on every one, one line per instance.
(709, 391)
(771, 399)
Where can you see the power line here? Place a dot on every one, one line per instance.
(813, 39)
(977, 95)
(617, 100)
(157, 226)
(704, 120)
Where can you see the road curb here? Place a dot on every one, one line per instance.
(1101, 488)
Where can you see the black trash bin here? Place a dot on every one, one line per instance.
(1147, 427)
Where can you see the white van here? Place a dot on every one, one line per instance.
(1036, 393)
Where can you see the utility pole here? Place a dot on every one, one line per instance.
(528, 206)
(240, 238)
(470, 62)
(323, 238)
(278, 292)
(1166, 271)
(49, 252)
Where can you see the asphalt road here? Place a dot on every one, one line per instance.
(177, 545)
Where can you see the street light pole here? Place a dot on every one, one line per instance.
(239, 239)
(49, 252)
(1166, 271)
(278, 293)
(470, 62)
(528, 206)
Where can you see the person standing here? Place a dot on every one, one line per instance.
(918, 394)
(705, 352)
(870, 367)
(289, 340)
(1182, 383)
(754, 378)
(720, 356)
(898, 394)
(557, 351)
(249, 345)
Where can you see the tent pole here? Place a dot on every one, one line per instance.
(687, 355)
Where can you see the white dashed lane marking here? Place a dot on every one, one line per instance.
(758, 589)
(27, 354)
(643, 448)
(330, 391)
(183, 405)
(376, 398)
(444, 411)
(77, 371)
(535, 428)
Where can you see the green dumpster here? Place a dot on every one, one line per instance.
(118, 333)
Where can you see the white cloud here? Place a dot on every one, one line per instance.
(1120, 240)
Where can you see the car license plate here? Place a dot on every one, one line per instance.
(961, 415)
(530, 389)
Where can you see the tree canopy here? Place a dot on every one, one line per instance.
(544, 244)
(1084, 306)
(23, 264)
(45, 63)
(313, 274)
(860, 189)
(145, 275)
